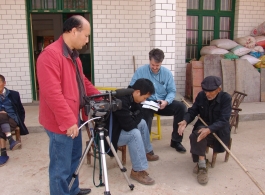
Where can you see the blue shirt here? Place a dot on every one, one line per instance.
(163, 82)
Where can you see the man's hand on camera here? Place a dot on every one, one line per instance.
(163, 103)
(72, 131)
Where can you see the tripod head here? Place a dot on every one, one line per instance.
(103, 104)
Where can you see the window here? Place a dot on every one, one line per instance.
(43, 4)
(73, 4)
(59, 4)
(207, 20)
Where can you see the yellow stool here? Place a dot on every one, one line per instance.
(106, 88)
(156, 135)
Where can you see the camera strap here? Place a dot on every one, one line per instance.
(110, 128)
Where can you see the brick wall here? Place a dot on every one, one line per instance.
(248, 15)
(124, 28)
(180, 68)
(121, 31)
(162, 15)
(14, 55)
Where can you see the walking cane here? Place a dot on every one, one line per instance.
(225, 147)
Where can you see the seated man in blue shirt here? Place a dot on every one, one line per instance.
(165, 92)
(12, 114)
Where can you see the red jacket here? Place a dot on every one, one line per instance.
(58, 88)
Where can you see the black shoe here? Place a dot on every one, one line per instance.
(178, 146)
(84, 191)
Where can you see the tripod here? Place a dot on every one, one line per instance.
(99, 128)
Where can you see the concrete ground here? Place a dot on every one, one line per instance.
(27, 169)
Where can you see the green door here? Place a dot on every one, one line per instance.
(65, 8)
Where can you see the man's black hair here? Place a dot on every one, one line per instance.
(72, 22)
(156, 54)
(2, 78)
(144, 85)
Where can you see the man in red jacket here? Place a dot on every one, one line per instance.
(62, 87)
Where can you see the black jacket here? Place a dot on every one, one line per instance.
(215, 115)
(19, 109)
(127, 119)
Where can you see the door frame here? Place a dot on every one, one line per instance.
(59, 4)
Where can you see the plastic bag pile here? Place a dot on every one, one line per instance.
(250, 48)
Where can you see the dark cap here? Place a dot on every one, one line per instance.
(211, 83)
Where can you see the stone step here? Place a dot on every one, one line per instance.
(250, 112)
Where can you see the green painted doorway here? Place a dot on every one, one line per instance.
(45, 20)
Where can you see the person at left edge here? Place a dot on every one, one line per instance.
(62, 86)
(12, 114)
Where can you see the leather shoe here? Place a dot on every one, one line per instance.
(151, 156)
(84, 191)
(178, 146)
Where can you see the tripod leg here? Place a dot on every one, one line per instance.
(122, 168)
(80, 163)
(103, 161)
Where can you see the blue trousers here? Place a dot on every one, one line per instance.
(65, 154)
(138, 141)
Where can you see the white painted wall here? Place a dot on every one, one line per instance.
(121, 31)
(14, 54)
(163, 19)
(122, 28)
(248, 15)
(180, 61)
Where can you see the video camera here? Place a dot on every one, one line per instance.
(102, 104)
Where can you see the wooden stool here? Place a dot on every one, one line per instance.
(237, 98)
(16, 132)
(232, 120)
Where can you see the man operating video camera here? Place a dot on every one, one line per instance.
(62, 87)
(130, 129)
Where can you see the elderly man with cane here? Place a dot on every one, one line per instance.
(214, 107)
